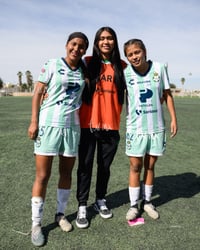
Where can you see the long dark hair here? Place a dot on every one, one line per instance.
(94, 66)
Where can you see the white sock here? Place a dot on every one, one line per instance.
(147, 192)
(37, 204)
(134, 194)
(62, 199)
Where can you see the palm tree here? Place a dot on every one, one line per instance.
(19, 74)
(1, 83)
(29, 79)
(182, 80)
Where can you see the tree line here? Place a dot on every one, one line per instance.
(21, 86)
(28, 86)
(29, 81)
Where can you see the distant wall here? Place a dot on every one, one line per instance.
(180, 92)
(175, 92)
(22, 94)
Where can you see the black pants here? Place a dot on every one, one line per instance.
(107, 144)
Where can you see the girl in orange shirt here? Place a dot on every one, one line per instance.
(100, 121)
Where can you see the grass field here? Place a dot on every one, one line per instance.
(176, 191)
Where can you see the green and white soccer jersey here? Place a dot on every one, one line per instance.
(144, 92)
(64, 89)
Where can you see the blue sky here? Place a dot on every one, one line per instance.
(32, 31)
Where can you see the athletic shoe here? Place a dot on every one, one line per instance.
(132, 213)
(101, 208)
(81, 220)
(37, 236)
(63, 222)
(149, 208)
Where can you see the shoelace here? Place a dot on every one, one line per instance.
(103, 207)
(102, 204)
(81, 213)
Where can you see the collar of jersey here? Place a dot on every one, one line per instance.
(105, 61)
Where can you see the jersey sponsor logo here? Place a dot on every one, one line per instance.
(150, 111)
(145, 94)
(99, 89)
(106, 78)
(131, 82)
(61, 71)
(73, 87)
(138, 111)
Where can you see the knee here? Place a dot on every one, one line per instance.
(42, 180)
(149, 168)
(66, 177)
(135, 168)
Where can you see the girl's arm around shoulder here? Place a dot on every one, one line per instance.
(87, 59)
(171, 108)
(124, 64)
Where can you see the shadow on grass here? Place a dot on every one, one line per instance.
(118, 198)
(168, 188)
(71, 217)
(47, 229)
(171, 187)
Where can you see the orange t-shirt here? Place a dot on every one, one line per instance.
(105, 110)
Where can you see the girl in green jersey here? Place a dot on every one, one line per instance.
(55, 129)
(147, 86)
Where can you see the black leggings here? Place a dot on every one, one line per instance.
(107, 144)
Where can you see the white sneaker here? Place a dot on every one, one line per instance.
(81, 220)
(132, 213)
(101, 208)
(63, 222)
(151, 210)
(37, 236)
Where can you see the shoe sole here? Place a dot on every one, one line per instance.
(81, 225)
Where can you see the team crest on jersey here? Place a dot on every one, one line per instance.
(38, 142)
(129, 139)
(156, 77)
(41, 131)
(128, 145)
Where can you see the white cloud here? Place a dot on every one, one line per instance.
(32, 31)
